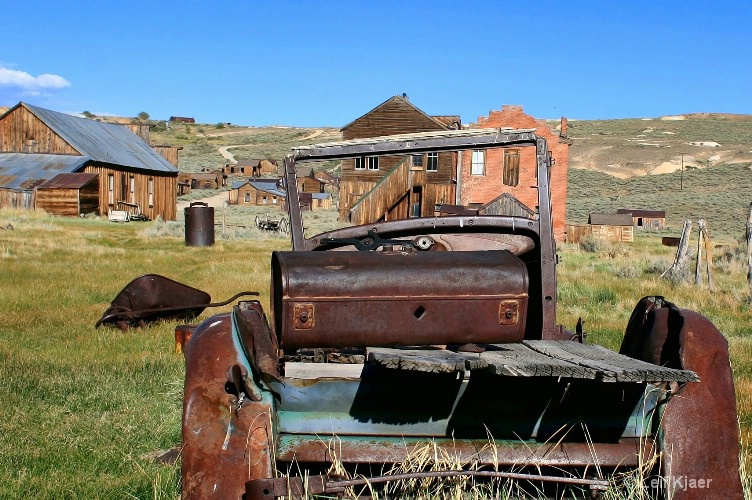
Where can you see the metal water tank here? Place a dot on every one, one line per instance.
(199, 225)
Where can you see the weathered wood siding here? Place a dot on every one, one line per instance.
(170, 153)
(12, 198)
(575, 232)
(134, 187)
(376, 203)
(143, 131)
(395, 116)
(310, 185)
(22, 132)
(69, 202)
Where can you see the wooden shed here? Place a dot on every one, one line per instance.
(646, 219)
(613, 227)
(69, 194)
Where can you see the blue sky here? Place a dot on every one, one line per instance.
(325, 63)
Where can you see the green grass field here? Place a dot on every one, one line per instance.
(84, 410)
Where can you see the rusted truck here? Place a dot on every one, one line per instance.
(442, 330)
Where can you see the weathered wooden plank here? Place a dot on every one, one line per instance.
(611, 366)
(540, 358)
(518, 360)
(425, 360)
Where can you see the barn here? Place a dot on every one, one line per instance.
(37, 144)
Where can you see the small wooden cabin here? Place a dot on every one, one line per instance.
(182, 119)
(646, 219)
(264, 192)
(69, 195)
(310, 183)
(613, 227)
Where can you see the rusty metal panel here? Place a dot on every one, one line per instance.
(346, 299)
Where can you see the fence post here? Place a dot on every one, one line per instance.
(681, 253)
(705, 235)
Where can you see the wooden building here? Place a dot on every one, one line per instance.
(646, 219)
(37, 144)
(188, 181)
(261, 192)
(613, 227)
(182, 119)
(252, 168)
(311, 183)
(69, 194)
(396, 187)
(483, 175)
(170, 153)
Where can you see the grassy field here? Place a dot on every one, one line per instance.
(85, 411)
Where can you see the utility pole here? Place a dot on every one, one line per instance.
(681, 178)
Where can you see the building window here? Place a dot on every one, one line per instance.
(274, 200)
(511, 176)
(111, 189)
(372, 163)
(478, 162)
(132, 189)
(417, 160)
(432, 164)
(359, 164)
(247, 198)
(263, 200)
(151, 191)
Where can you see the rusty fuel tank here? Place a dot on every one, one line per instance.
(349, 299)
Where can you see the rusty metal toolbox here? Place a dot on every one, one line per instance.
(353, 299)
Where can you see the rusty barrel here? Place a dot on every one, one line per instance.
(199, 225)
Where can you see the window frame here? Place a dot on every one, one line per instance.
(372, 163)
(432, 162)
(475, 162)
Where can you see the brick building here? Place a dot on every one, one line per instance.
(484, 175)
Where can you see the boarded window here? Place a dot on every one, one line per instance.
(433, 162)
(511, 175)
(478, 162)
(373, 162)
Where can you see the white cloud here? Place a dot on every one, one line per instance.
(31, 84)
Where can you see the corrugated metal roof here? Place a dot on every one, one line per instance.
(69, 181)
(28, 170)
(268, 186)
(104, 142)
